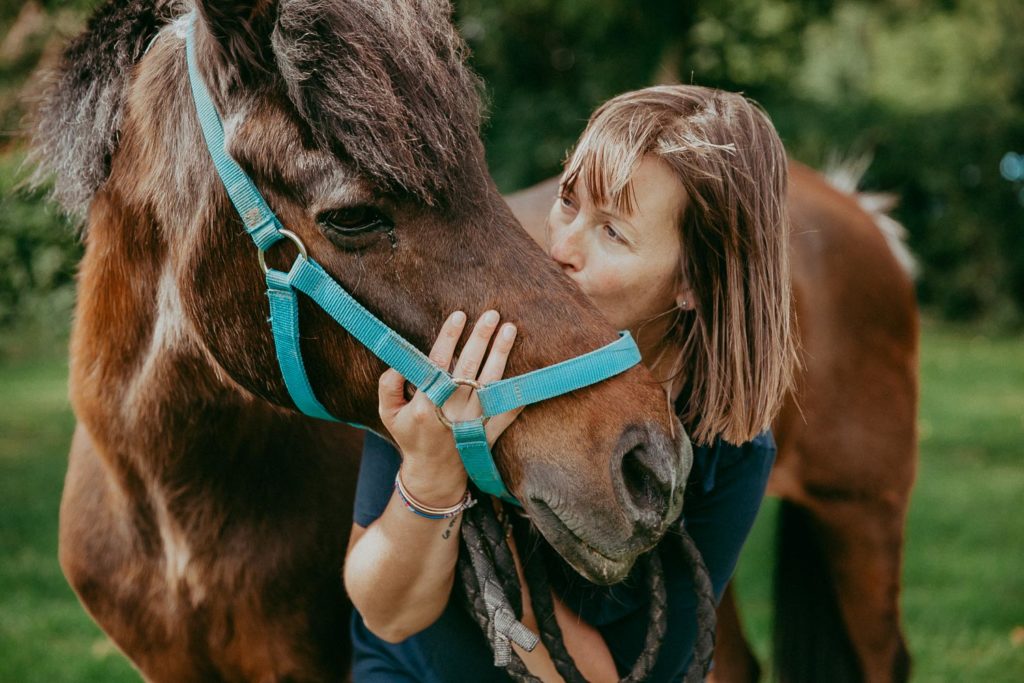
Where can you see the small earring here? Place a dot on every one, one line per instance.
(684, 304)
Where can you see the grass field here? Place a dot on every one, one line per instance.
(963, 598)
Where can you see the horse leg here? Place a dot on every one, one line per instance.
(110, 565)
(187, 628)
(734, 660)
(864, 541)
(837, 588)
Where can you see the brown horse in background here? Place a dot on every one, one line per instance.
(204, 520)
(847, 446)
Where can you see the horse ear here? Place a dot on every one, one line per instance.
(241, 30)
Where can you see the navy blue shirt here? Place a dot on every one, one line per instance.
(723, 494)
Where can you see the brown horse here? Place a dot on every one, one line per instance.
(847, 446)
(204, 521)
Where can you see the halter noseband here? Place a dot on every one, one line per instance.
(306, 276)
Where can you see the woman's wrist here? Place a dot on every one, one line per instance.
(435, 486)
(426, 511)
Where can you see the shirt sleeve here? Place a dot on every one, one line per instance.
(377, 471)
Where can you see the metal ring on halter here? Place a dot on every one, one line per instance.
(461, 381)
(294, 240)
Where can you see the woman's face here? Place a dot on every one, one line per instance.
(626, 263)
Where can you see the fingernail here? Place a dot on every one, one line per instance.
(458, 317)
(509, 331)
(490, 317)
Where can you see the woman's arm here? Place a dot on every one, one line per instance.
(399, 570)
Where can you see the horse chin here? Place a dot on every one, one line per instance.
(589, 562)
(596, 567)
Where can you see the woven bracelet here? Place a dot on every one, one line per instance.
(428, 511)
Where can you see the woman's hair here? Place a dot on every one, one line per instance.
(738, 343)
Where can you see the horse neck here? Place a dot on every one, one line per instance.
(153, 399)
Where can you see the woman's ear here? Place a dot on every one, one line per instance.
(686, 299)
(240, 32)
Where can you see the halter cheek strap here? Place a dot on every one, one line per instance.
(306, 276)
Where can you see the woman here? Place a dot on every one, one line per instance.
(671, 217)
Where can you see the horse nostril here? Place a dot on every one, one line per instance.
(648, 493)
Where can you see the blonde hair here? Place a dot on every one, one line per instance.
(738, 344)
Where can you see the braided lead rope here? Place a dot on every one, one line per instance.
(707, 617)
(476, 553)
(543, 605)
(516, 669)
(658, 624)
(503, 628)
(495, 527)
(536, 577)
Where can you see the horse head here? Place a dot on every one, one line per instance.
(359, 122)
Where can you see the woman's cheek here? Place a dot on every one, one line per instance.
(609, 283)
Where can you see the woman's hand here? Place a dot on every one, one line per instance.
(431, 468)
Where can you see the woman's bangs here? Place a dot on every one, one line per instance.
(605, 164)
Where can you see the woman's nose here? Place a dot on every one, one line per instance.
(566, 248)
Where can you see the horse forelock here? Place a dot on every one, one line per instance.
(384, 86)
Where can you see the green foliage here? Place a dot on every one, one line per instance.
(965, 223)
(932, 88)
(38, 253)
(547, 65)
(938, 111)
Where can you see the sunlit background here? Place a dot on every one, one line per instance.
(930, 91)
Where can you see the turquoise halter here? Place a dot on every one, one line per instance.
(308, 277)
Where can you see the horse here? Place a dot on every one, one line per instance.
(847, 442)
(204, 520)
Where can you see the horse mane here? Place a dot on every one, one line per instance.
(383, 86)
(77, 121)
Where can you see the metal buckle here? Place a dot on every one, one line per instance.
(294, 240)
(461, 381)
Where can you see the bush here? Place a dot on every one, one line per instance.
(38, 253)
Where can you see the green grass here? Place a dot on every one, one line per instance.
(963, 577)
(45, 636)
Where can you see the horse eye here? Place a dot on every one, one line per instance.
(354, 220)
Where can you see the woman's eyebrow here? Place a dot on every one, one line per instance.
(602, 209)
(616, 216)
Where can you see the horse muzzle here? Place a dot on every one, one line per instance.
(601, 535)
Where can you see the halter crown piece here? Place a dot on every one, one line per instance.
(308, 277)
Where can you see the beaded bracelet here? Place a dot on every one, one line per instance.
(428, 511)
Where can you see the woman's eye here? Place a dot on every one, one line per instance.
(354, 220)
(567, 202)
(613, 234)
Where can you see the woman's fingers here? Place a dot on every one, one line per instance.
(494, 367)
(390, 395)
(475, 347)
(447, 339)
